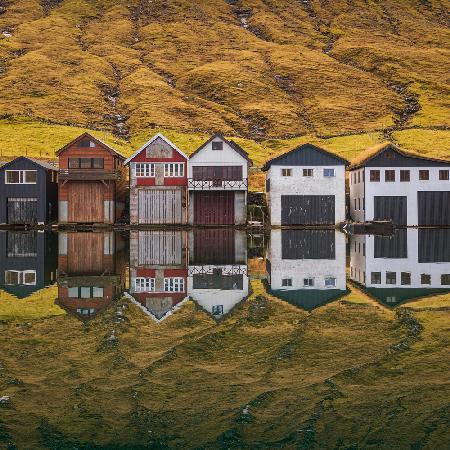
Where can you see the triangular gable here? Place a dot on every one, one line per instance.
(371, 154)
(304, 155)
(153, 139)
(43, 164)
(236, 147)
(98, 141)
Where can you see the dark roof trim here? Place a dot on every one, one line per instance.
(98, 141)
(43, 164)
(378, 150)
(236, 147)
(268, 163)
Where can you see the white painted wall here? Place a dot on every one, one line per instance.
(369, 263)
(299, 269)
(356, 182)
(395, 188)
(297, 184)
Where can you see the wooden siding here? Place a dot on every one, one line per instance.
(308, 244)
(214, 208)
(307, 209)
(395, 246)
(85, 202)
(213, 247)
(161, 206)
(85, 253)
(391, 208)
(434, 245)
(433, 208)
(163, 248)
(22, 210)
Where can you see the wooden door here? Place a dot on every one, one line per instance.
(214, 208)
(85, 202)
(214, 246)
(85, 253)
(161, 206)
(307, 209)
(22, 210)
(391, 208)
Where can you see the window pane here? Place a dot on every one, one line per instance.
(443, 175)
(424, 174)
(404, 175)
(376, 277)
(328, 173)
(73, 292)
(425, 278)
(97, 163)
(85, 292)
(285, 282)
(307, 172)
(30, 176)
(405, 278)
(29, 277)
(74, 163)
(217, 310)
(330, 281)
(445, 279)
(97, 292)
(389, 175)
(85, 163)
(11, 277)
(391, 277)
(217, 145)
(13, 176)
(374, 175)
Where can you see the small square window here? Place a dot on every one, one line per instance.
(30, 176)
(425, 278)
(391, 278)
(286, 172)
(329, 173)
(391, 299)
(375, 277)
(307, 172)
(97, 292)
(424, 175)
(74, 163)
(286, 282)
(374, 175)
(85, 163)
(97, 163)
(445, 279)
(308, 282)
(217, 310)
(73, 292)
(85, 292)
(405, 278)
(359, 177)
(217, 145)
(443, 175)
(404, 175)
(12, 176)
(389, 175)
(330, 282)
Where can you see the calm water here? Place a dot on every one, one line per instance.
(223, 339)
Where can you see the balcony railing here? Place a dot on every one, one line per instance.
(217, 184)
(223, 270)
(89, 174)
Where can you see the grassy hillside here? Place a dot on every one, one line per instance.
(269, 72)
(351, 374)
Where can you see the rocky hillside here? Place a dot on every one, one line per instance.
(255, 69)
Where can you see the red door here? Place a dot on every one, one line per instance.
(214, 208)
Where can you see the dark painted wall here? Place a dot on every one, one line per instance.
(307, 156)
(433, 208)
(307, 209)
(390, 158)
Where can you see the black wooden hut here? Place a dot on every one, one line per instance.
(28, 192)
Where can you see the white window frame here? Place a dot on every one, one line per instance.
(142, 284)
(21, 176)
(329, 176)
(21, 277)
(288, 280)
(174, 284)
(286, 172)
(306, 282)
(327, 279)
(144, 170)
(214, 309)
(308, 169)
(174, 170)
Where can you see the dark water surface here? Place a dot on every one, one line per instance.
(215, 338)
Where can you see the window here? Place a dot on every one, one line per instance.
(330, 282)
(355, 206)
(85, 163)
(144, 284)
(307, 172)
(286, 172)
(20, 176)
(359, 177)
(85, 292)
(174, 170)
(97, 163)
(308, 282)
(391, 299)
(359, 204)
(391, 278)
(73, 292)
(144, 170)
(364, 203)
(374, 175)
(217, 145)
(174, 284)
(97, 292)
(14, 277)
(364, 249)
(405, 278)
(445, 279)
(217, 310)
(86, 143)
(86, 311)
(424, 175)
(268, 185)
(74, 163)
(211, 173)
(425, 278)
(375, 277)
(286, 282)
(389, 175)
(404, 175)
(329, 173)
(443, 175)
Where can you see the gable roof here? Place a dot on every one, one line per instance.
(45, 165)
(156, 136)
(98, 141)
(235, 146)
(367, 155)
(300, 148)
